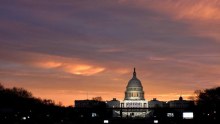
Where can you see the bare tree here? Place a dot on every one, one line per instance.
(209, 99)
(98, 98)
(1, 86)
(21, 92)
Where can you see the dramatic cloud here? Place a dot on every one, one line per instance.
(65, 49)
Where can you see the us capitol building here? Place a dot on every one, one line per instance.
(133, 101)
(134, 94)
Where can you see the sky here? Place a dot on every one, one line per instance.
(77, 49)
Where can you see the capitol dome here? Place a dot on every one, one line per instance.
(134, 89)
(134, 82)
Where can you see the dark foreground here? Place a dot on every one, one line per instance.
(18, 106)
(112, 121)
(98, 120)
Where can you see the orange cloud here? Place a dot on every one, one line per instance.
(153, 58)
(49, 64)
(63, 64)
(198, 10)
(202, 16)
(86, 70)
(72, 68)
(186, 9)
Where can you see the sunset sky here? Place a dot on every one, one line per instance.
(65, 49)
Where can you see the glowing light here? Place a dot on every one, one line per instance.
(156, 121)
(106, 121)
(24, 118)
(187, 115)
(170, 115)
(94, 115)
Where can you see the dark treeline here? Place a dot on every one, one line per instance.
(208, 103)
(19, 98)
(18, 106)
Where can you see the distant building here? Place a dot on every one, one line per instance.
(170, 104)
(89, 104)
(156, 104)
(180, 103)
(113, 103)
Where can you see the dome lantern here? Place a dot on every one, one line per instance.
(134, 73)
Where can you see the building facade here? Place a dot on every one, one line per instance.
(134, 98)
(156, 104)
(114, 103)
(181, 103)
(89, 104)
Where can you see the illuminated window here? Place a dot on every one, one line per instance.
(170, 115)
(155, 121)
(106, 121)
(187, 115)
